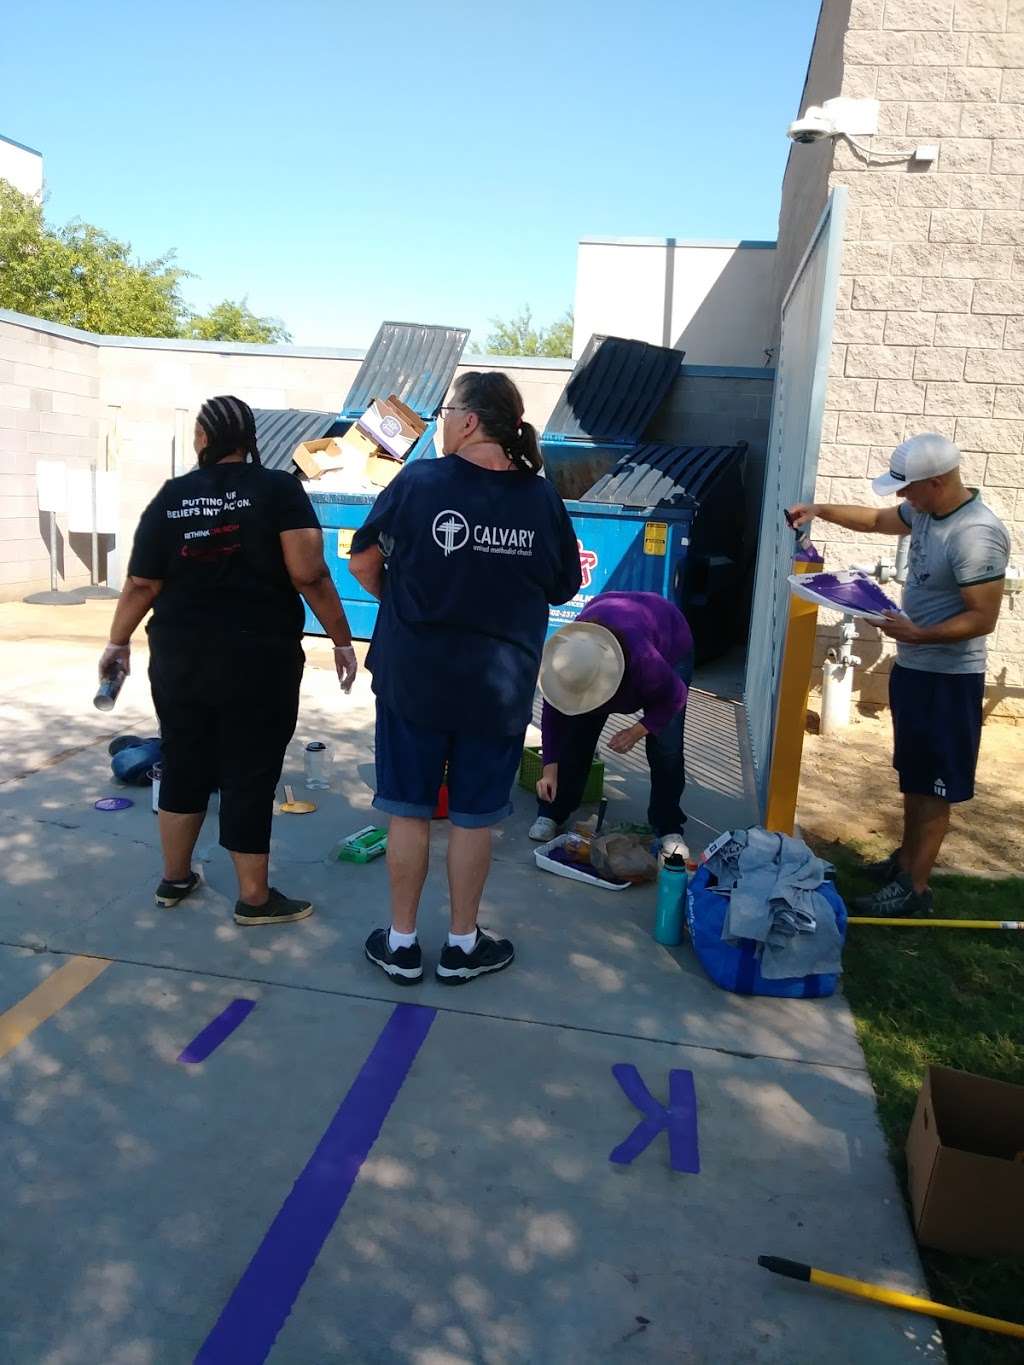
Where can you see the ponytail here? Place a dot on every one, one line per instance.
(498, 404)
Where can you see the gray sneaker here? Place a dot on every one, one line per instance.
(898, 899)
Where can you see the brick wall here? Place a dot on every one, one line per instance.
(930, 324)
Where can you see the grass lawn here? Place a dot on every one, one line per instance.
(956, 998)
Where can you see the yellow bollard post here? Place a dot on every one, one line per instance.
(794, 687)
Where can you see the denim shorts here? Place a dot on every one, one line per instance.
(411, 765)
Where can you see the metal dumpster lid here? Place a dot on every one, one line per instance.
(409, 359)
(665, 475)
(280, 430)
(614, 390)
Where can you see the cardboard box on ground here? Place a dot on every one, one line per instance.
(370, 453)
(965, 1161)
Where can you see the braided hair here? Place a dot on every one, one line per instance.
(230, 426)
(499, 406)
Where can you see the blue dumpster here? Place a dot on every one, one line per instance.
(669, 519)
(409, 359)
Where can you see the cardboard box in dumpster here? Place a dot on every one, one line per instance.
(966, 1187)
(392, 425)
(351, 452)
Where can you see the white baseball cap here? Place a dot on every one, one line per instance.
(918, 457)
(582, 667)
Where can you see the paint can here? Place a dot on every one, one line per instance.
(155, 774)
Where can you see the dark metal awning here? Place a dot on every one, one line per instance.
(614, 391)
(655, 475)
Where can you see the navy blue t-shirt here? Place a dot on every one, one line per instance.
(474, 558)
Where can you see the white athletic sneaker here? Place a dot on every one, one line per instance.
(544, 829)
(674, 846)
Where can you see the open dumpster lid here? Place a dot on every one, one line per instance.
(614, 390)
(411, 360)
(280, 430)
(665, 475)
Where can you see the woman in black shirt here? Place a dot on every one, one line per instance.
(221, 556)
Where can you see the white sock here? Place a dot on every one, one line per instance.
(467, 942)
(397, 940)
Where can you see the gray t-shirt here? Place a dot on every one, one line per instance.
(965, 547)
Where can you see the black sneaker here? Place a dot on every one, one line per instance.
(886, 870)
(403, 965)
(278, 909)
(170, 894)
(456, 967)
(897, 898)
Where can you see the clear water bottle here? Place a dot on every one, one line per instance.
(110, 686)
(318, 766)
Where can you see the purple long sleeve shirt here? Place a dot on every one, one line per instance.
(655, 639)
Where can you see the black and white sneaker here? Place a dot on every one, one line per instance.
(489, 955)
(277, 909)
(403, 965)
(885, 870)
(897, 898)
(170, 894)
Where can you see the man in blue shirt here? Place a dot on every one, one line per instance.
(466, 554)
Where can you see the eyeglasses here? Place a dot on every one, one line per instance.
(452, 407)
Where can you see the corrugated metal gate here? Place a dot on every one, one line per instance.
(808, 313)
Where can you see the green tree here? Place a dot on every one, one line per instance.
(235, 321)
(80, 276)
(518, 336)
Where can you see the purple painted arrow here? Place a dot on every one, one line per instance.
(679, 1119)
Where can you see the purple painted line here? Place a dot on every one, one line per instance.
(679, 1120)
(264, 1296)
(217, 1030)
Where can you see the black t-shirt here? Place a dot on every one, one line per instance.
(213, 537)
(474, 559)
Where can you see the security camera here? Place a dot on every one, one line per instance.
(814, 126)
(837, 117)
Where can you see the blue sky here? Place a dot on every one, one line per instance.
(343, 163)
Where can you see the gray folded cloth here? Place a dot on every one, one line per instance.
(774, 900)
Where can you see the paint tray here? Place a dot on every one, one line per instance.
(576, 873)
(362, 847)
(849, 591)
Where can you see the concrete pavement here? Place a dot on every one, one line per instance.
(146, 1198)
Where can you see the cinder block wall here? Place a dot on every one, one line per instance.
(132, 407)
(930, 324)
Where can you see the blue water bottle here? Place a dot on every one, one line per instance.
(671, 911)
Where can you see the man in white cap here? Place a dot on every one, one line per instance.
(958, 555)
(626, 652)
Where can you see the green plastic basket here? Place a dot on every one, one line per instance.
(531, 770)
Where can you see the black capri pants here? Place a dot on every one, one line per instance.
(227, 709)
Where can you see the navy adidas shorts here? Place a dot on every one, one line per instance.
(936, 726)
(411, 764)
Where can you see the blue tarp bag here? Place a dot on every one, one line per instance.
(735, 966)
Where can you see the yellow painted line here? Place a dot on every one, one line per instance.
(49, 996)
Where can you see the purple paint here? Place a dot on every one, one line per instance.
(217, 1030)
(107, 803)
(848, 591)
(559, 855)
(679, 1119)
(808, 554)
(257, 1310)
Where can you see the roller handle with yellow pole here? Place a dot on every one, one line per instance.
(938, 923)
(877, 1293)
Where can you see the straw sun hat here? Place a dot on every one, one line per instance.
(581, 668)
